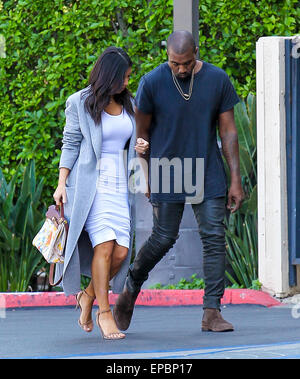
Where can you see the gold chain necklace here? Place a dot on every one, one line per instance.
(186, 96)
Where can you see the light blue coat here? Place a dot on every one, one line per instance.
(81, 151)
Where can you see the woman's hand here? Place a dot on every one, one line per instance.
(60, 195)
(142, 146)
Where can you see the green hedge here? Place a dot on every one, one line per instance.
(229, 30)
(51, 47)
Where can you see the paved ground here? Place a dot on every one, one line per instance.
(156, 332)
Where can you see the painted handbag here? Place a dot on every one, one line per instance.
(52, 237)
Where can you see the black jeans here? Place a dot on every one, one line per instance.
(166, 221)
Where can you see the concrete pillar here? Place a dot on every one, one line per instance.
(273, 259)
(186, 17)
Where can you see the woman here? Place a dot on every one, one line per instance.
(93, 185)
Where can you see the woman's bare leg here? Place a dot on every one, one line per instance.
(118, 254)
(101, 273)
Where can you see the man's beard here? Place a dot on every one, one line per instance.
(187, 75)
(184, 77)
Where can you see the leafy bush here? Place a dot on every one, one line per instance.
(198, 283)
(241, 231)
(242, 249)
(183, 284)
(51, 47)
(20, 220)
(229, 30)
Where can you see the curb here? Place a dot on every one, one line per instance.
(146, 297)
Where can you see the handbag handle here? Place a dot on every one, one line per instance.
(60, 208)
(51, 276)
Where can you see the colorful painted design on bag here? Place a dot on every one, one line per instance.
(50, 241)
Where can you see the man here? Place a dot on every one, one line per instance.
(178, 107)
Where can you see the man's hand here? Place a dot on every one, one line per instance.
(148, 193)
(235, 196)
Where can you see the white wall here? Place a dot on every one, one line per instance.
(271, 156)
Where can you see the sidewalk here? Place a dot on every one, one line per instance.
(166, 324)
(169, 332)
(146, 297)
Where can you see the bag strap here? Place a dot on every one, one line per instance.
(60, 208)
(51, 276)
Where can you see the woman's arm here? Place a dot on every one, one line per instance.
(60, 195)
(63, 174)
(72, 136)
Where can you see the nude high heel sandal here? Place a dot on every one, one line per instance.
(88, 325)
(110, 336)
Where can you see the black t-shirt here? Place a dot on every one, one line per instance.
(183, 142)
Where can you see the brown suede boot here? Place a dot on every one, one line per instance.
(123, 308)
(214, 322)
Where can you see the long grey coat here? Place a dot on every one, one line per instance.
(81, 149)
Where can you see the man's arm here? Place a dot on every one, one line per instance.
(143, 123)
(230, 146)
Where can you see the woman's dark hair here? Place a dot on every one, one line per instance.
(106, 80)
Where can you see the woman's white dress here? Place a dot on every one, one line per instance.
(108, 218)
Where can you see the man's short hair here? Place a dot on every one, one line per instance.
(181, 41)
